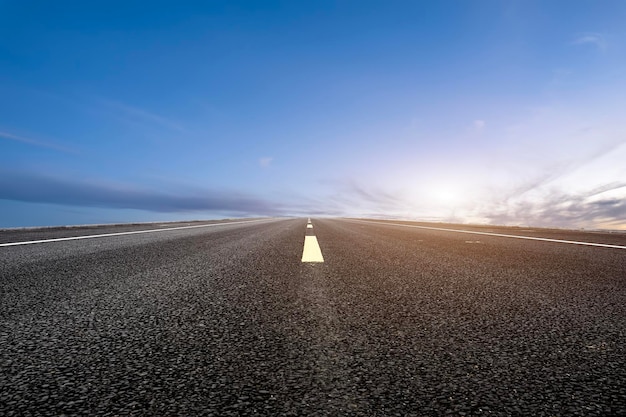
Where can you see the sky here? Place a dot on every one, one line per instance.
(468, 111)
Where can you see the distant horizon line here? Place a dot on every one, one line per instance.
(390, 218)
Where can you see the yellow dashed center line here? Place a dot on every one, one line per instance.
(311, 251)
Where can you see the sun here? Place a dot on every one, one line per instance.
(446, 194)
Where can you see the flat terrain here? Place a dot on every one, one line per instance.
(225, 320)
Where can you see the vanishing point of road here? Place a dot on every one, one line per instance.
(332, 317)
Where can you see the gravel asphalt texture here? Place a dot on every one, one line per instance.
(227, 321)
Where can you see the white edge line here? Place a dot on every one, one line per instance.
(30, 242)
(543, 239)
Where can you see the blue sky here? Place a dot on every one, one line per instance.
(507, 112)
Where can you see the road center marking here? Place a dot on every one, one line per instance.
(543, 239)
(59, 239)
(312, 251)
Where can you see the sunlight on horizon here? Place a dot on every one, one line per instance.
(482, 112)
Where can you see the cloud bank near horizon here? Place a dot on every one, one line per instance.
(34, 188)
(600, 207)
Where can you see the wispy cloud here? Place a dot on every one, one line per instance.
(265, 162)
(558, 170)
(143, 115)
(367, 197)
(27, 187)
(592, 38)
(34, 142)
(565, 210)
(588, 191)
(350, 198)
(479, 124)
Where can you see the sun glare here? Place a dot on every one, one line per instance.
(446, 194)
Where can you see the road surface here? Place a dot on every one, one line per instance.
(393, 320)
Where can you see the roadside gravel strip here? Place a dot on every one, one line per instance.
(228, 321)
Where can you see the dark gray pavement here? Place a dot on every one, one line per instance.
(400, 321)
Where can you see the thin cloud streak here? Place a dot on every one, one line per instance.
(350, 196)
(34, 142)
(592, 38)
(559, 170)
(137, 113)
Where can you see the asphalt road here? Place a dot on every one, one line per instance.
(226, 320)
